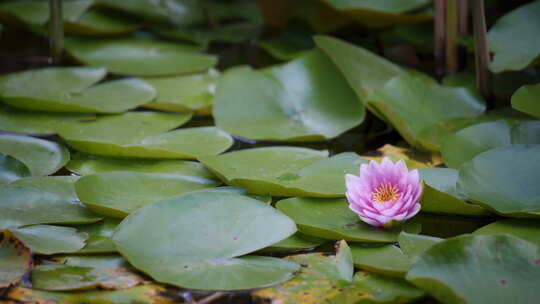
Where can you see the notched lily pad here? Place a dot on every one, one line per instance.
(285, 171)
(99, 236)
(73, 89)
(526, 98)
(15, 259)
(46, 239)
(11, 169)
(528, 230)
(306, 99)
(332, 219)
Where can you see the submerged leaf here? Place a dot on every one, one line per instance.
(15, 259)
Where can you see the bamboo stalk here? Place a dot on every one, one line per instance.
(451, 36)
(439, 36)
(56, 30)
(481, 55)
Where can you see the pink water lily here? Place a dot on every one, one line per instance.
(384, 194)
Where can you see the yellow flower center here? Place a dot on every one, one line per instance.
(385, 192)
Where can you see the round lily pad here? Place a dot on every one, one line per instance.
(296, 241)
(466, 143)
(513, 39)
(46, 239)
(42, 157)
(525, 99)
(195, 238)
(73, 90)
(85, 164)
(387, 259)
(140, 56)
(479, 269)
(191, 93)
(11, 169)
(528, 230)
(285, 171)
(120, 193)
(332, 219)
(36, 123)
(402, 97)
(43, 200)
(504, 179)
(15, 261)
(306, 99)
(441, 196)
(100, 236)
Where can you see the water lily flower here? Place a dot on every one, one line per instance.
(384, 194)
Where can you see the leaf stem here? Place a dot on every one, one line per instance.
(439, 36)
(482, 57)
(56, 30)
(451, 36)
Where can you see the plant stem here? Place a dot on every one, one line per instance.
(56, 30)
(463, 30)
(440, 36)
(451, 36)
(482, 57)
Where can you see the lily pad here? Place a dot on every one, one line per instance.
(285, 171)
(96, 22)
(73, 90)
(414, 105)
(46, 239)
(11, 169)
(189, 250)
(332, 219)
(466, 143)
(528, 230)
(184, 94)
(118, 194)
(373, 13)
(42, 157)
(386, 259)
(100, 236)
(413, 245)
(36, 13)
(513, 41)
(413, 159)
(44, 200)
(204, 34)
(167, 11)
(498, 268)
(36, 123)
(96, 261)
(329, 279)
(85, 164)
(503, 179)
(526, 100)
(441, 196)
(15, 259)
(146, 137)
(64, 277)
(145, 294)
(306, 99)
(297, 241)
(140, 56)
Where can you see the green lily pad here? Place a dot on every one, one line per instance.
(189, 250)
(42, 157)
(146, 137)
(285, 171)
(79, 93)
(503, 179)
(413, 245)
(513, 39)
(204, 34)
(145, 294)
(15, 259)
(294, 41)
(373, 13)
(45, 239)
(140, 56)
(479, 269)
(167, 11)
(528, 230)
(64, 277)
(329, 279)
(37, 123)
(386, 259)
(100, 23)
(36, 13)
(100, 236)
(267, 199)
(11, 169)
(86, 164)
(306, 99)
(44, 200)
(96, 261)
(466, 143)
(191, 93)
(414, 105)
(118, 194)
(526, 100)
(297, 241)
(441, 196)
(332, 219)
